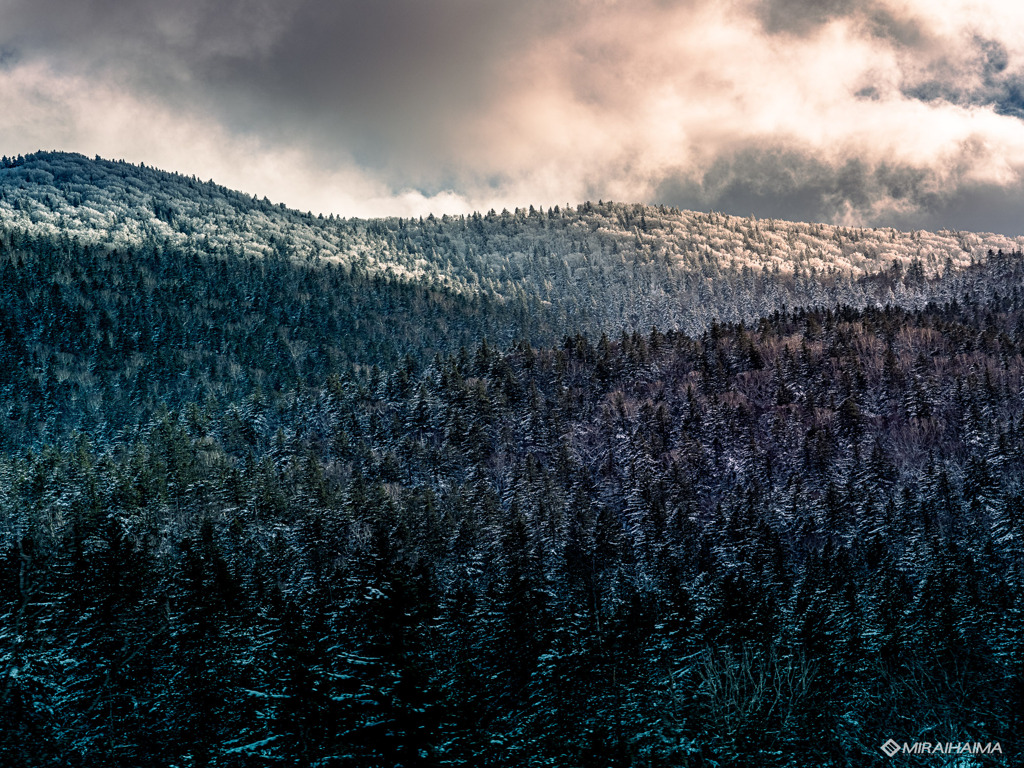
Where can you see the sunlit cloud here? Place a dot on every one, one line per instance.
(876, 112)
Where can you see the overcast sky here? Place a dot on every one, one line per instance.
(894, 112)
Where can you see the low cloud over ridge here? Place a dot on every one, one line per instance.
(863, 112)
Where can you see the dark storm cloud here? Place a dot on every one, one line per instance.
(1003, 88)
(392, 78)
(790, 185)
(786, 184)
(797, 17)
(776, 182)
(984, 79)
(803, 17)
(8, 57)
(983, 207)
(384, 79)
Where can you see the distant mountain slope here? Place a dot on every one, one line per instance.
(607, 265)
(124, 289)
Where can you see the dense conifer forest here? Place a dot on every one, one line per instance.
(269, 507)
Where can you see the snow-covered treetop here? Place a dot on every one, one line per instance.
(593, 254)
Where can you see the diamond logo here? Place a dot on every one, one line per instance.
(890, 748)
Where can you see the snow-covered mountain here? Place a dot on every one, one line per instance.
(278, 489)
(610, 264)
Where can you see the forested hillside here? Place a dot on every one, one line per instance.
(774, 545)
(95, 337)
(607, 265)
(621, 486)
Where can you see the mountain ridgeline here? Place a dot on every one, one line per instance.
(605, 265)
(124, 289)
(615, 486)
